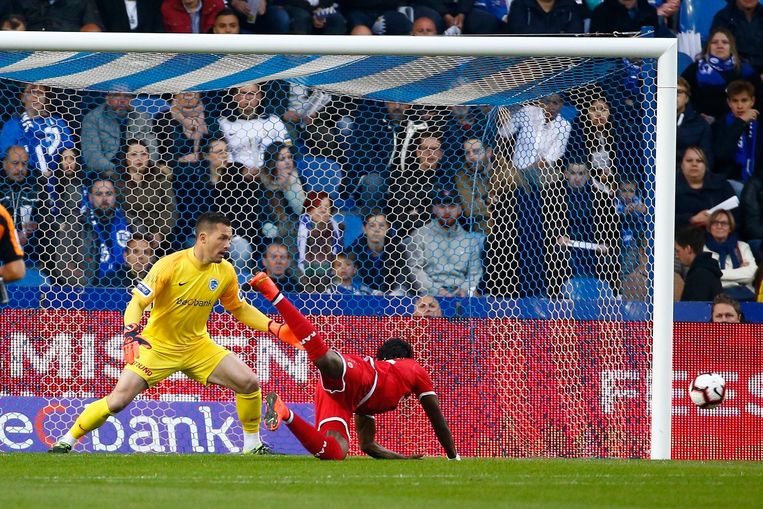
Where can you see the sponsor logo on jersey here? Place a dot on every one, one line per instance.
(183, 283)
(193, 302)
(213, 284)
(143, 289)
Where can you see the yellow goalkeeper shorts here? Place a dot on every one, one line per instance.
(197, 362)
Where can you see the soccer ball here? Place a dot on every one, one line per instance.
(708, 390)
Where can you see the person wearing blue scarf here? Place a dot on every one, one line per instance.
(734, 257)
(738, 142)
(708, 77)
(106, 231)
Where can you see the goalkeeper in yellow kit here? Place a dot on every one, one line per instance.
(183, 287)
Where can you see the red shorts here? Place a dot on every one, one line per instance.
(336, 399)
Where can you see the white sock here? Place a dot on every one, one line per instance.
(251, 440)
(68, 439)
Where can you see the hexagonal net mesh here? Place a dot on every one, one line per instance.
(495, 212)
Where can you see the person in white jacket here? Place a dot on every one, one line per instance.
(734, 256)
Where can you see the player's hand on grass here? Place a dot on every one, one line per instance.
(131, 343)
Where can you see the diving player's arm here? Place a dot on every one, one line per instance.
(431, 406)
(365, 427)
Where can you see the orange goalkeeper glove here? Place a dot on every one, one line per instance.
(132, 342)
(284, 333)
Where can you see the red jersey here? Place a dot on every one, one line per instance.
(370, 386)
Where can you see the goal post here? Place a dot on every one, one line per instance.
(481, 86)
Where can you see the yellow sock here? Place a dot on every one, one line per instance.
(249, 409)
(91, 418)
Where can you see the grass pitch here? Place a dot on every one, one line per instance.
(104, 481)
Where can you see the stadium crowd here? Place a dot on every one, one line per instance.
(340, 195)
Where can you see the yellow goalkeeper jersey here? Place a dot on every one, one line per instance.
(183, 294)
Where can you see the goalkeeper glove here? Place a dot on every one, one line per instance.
(132, 342)
(284, 333)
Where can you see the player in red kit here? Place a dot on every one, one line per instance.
(351, 384)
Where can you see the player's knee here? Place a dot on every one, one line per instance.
(117, 401)
(335, 447)
(249, 384)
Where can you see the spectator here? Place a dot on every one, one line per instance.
(703, 279)
(377, 255)
(344, 270)
(612, 16)
(709, 76)
(381, 16)
(14, 22)
(20, 194)
(283, 193)
(545, 17)
(149, 199)
(101, 236)
(473, 183)
(269, 17)
(411, 186)
(744, 19)
(423, 26)
(191, 16)
(321, 17)
(107, 127)
(631, 216)
(319, 240)
(72, 192)
(498, 10)
(248, 130)
(58, 16)
(594, 139)
(692, 130)
(541, 135)
(443, 258)
(455, 17)
(698, 190)
(185, 130)
(277, 263)
(725, 309)
(588, 242)
(139, 257)
(43, 134)
(239, 196)
(751, 213)
(226, 22)
(427, 306)
(11, 253)
(371, 148)
(738, 136)
(637, 283)
(139, 16)
(734, 256)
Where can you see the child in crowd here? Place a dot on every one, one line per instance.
(631, 212)
(344, 270)
(738, 143)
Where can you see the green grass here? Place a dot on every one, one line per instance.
(213, 481)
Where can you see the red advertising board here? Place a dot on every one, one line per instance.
(508, 387)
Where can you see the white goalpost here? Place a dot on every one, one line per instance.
(523, 83)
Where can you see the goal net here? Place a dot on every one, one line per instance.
(496, 211)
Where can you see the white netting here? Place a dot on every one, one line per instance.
(516, 193)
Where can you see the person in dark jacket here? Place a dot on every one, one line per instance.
(698, 190)
(692, 130)
(703, 280)
(751, 211)
(709, 76)
(144, 17)
(623, 16)
(545, 17)
(744, 18)
(59, 15)
(738, 137)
